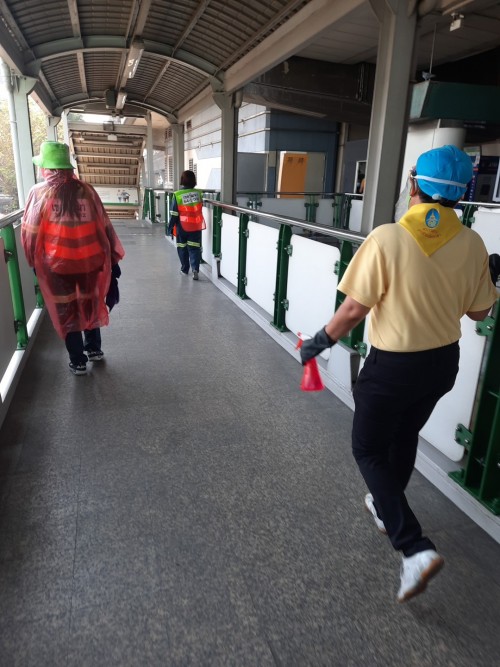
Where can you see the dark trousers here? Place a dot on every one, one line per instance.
(188, 249)
(77, 347)
(394, 396)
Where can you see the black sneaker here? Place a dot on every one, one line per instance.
(78, 369)
(95, 355)
(195, 275)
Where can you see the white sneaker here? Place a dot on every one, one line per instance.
(370, 507)
(417, 571)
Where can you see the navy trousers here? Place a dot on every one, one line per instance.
(394, 396)
(77, 347)
(188, 249)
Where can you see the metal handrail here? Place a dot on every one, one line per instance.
(292, 222)
(11, 218)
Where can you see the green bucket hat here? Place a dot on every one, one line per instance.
(53, 155)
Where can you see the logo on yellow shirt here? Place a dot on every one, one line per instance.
(432, 218)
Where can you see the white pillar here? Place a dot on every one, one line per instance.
(178, 153)
(18, 89)
(149, 153)
(52, 123)
(229, 105)
(389, 119)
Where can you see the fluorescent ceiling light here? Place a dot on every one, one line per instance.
(120, 99)
(450, 7)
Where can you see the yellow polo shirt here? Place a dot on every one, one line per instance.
(417, 301)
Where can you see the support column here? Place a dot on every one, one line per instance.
(178, 153)
(389, 119)
(52, 123)
(229, 105)
(149, 153)
(18, 89)
(67, 140)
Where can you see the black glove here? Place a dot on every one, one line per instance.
(313, 346)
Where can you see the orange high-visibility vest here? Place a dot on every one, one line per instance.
(71, 246)
(190, 207)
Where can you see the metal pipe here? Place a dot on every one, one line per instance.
(290, 222)
(6, 75)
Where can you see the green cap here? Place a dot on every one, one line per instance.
(53, 155)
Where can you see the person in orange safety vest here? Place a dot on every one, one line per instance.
(71, 244)
(187, 223)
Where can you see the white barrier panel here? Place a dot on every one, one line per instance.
(206, 235)
(229, 248)
(355, 215)
(312, 286)
(8, 339)
(324, 212)
(487, 225)
(456, 406)
(291, 208)
(262, 261)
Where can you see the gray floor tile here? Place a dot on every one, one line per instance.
(186, 504)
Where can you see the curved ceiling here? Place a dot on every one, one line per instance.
(130, 56)
(160, 54)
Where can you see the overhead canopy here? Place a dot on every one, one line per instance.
(158, 55)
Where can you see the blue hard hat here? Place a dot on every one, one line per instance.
(444, 173)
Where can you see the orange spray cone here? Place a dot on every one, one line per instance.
(311, 378)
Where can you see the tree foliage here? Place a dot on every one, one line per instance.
(38, 122)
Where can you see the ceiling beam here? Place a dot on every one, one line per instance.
(191, 23)
(290, 38)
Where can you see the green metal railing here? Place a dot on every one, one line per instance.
(10, 252)
(481, 474)
(284, 250)
(341, 204)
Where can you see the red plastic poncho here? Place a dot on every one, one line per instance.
(71, 254)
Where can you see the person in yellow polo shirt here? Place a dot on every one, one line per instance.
(417, 278)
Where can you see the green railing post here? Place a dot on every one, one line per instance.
(216, 231)
(156, 203)
(152, 205)
(242, 255)
(338, 208)
(311, 205)
(468, 214)
(40, 303)
(481, 475)
(354, 339)
(254, 202)
(280, 300)
(11, 258)
(347, 210)
(145, 207)
(167, 211)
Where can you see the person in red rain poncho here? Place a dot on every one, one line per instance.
(70, 242)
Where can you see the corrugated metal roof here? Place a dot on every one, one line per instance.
(79, 49)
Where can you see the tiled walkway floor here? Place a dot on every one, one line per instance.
(184, 504)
